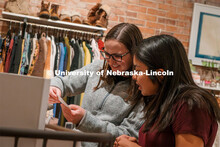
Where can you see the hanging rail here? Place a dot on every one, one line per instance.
(51, 27)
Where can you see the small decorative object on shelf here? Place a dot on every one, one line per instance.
(49, 22)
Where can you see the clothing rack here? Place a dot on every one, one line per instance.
(51, 27)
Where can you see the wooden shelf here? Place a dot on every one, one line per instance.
(55, 23)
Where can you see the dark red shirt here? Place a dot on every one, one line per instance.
(196, 121)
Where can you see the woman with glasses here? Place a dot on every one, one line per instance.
(178, 113)
(105, 108)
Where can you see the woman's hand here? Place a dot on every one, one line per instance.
(54, 91)
(74, 114)
(126, 141)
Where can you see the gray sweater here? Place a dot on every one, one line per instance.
(106, 110)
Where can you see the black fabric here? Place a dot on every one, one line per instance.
(75, 60)
(17, 58)
(14, 48)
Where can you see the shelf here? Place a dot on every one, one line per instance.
(49, 22)
(210, 88)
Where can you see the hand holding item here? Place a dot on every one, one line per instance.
(53, 95)
(74, 114)
(126, 141)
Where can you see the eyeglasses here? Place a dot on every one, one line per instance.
(115, 57)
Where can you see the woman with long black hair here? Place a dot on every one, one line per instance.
(177, 111)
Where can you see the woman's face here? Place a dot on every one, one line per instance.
(114, 47)
(146, 86)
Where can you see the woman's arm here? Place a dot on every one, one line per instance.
(75, 82)
(126, 141)
(189, 140)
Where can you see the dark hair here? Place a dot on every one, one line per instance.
(127, 34)
(167, 53)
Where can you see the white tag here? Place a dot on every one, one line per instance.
(62, 101)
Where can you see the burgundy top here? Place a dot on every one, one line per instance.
(197, 122)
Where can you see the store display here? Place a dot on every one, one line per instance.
(103, 14)
(92, 17)
(76, 18)
(65, 17)
(44, 12)
(54, 12)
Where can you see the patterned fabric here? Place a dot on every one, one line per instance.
(35, 57)
(25, 54)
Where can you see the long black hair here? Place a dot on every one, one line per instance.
(167, 53)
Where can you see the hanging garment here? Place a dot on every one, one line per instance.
(72, 54)
(90, 51)
(14, 48)
(30, 50)
(34, 41)
(65, 58)
(2, 64)
(57, 60)
(22, 49)
(24, 55)
(47, 71)
(7, 62)
(68, 53)
(62, 57)
(39, 65)
(18, 54)
(95, 49)
(82, 51)
(53, 55)
(76, 58)
(1, 41)
(87, 58)
(34, 58)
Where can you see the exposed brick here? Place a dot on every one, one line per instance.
(115, 4)
(144, 16)
(167, 21)
(121, 19)
(177, 3)
(133, 1)
(118, 11)
(113, 17)
(172, 15)
(112, 24)
(137, 8)
(185, 44)
(83, 12)
(169, 1)
(185, 18)
(183, 30)
(167, 7)
(136, 21)
(147, 35)
(182, 24)
(182, 37)
(131, 14)
(160, 1)
(156, 12)
(171, 28)
(91, 1)
(145, 30)
(184, 10)
(159, 32)
(155, 25)
(188, 4)
(148, 4)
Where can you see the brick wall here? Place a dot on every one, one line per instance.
(151, 16)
